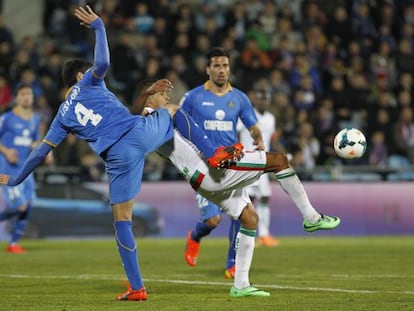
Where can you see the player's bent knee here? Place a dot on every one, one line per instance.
(123, 211)
(22, 208)
(213, 221)
(249, 217)
(276, 161)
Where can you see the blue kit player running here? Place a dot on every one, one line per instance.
(92, 113)
(216, 106)
(19, 133)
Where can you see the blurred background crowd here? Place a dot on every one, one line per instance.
(325, 65)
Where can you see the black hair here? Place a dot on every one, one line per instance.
(215, 52)
(71, 68)
(22, 86)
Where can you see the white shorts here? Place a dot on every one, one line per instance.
(227, 187)
(261, 188)
(224, 187)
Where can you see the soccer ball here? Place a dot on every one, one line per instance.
(350, 143)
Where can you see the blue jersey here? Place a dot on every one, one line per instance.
(218, 115)
(92, 113)
(17, 133)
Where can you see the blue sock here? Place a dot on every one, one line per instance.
(20, 224)
(128, 250)
(231, 255)
(192, 131)
(200, 231)
(7, 213)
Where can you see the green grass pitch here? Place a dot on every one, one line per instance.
(303, 273)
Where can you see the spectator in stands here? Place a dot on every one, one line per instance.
(6, 34)
(323, 120)
(6, 94)
(312, 14)
(112, 15)
(256, 33)
(404, 134)
(343, 106)
(180, 87)
(284, 112)
(370, 44)
(201, 47)
(124, 64)
(236, 21)
(6, 58)
(302, 66)
(315, 41)
(363, 27)
(285, 31)
(278, 82)
(404, 99)
(380, 120)
(405, 56)
(378, 150)
(338, 29)
(268, 17)
(143, 20)
(162, 32)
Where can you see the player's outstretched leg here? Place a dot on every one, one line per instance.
(278, 163)
(324, 223)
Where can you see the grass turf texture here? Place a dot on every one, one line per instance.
(303, 273)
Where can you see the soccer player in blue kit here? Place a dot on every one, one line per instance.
(19, 134)
(92, 113)
(216, 106)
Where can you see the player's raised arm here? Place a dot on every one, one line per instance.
(101, 60)
(162, 85)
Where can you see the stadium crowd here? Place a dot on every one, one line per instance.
(325, 64)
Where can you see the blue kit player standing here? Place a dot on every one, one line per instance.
(19, 133)
(92, 113)
(216, 106)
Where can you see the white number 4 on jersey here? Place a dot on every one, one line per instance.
(84, 115)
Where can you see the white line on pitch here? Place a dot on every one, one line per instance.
(112, 277)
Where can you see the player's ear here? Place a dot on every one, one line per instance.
(79, 76)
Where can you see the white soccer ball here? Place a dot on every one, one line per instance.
(350, 143)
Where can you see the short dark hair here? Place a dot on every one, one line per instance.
(215, 52)
(71, 68)
(22, 86)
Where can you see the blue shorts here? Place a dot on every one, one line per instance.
(126, 158)
(21, 194)
(207, 208)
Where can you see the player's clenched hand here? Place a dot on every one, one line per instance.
(4, 179)
(259, 145)
(162, 85)
(85, 15)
